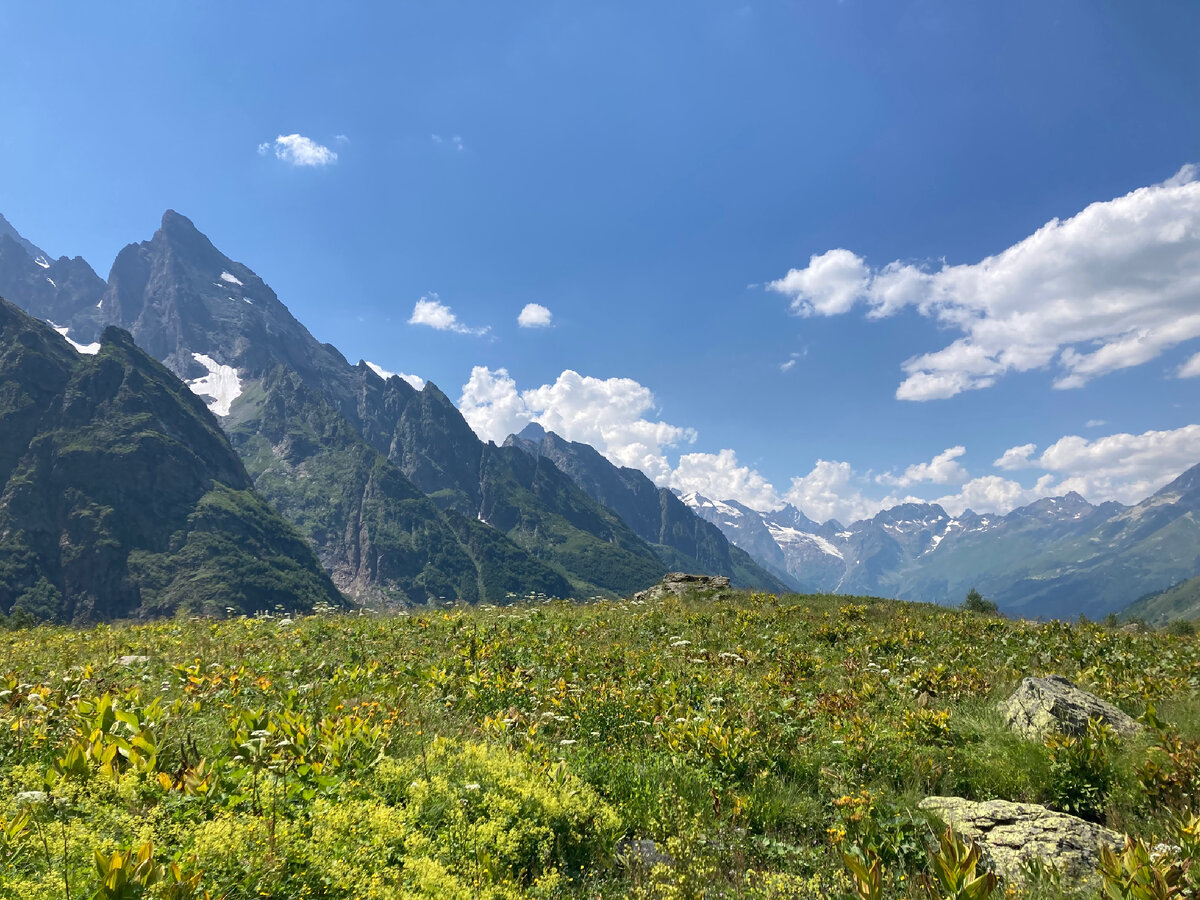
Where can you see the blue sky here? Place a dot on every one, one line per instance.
(646, 172)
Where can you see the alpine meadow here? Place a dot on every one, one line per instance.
(685, 451)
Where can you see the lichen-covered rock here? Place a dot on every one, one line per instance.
(680, 583)
(1043, 706)
(1012, 833)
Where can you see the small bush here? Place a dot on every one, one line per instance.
(976, 603)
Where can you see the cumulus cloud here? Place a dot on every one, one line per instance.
(1015, 457)
(942, 469)
(1112, 287)
(828, 286)
(431, 311)
(610, 414)
(534, 315)
(297, 150)
(719, 476)
(830, 491)
(415, 380)
(1123, 467)
(994, 494)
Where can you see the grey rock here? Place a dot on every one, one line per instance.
(1010, 834)
(678, 583)
(1043, 706)
(641, 853)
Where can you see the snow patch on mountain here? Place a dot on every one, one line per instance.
(786, 538)
(43, 262)
(699, 501)
(90, 349)
(221, 385)
(229, 278)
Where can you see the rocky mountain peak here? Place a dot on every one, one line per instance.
(533, 432)
(35, 252)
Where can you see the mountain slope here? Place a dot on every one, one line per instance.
(381, 538)
(222, 330)
(1180, 601)
(121, 496)
(681, 539)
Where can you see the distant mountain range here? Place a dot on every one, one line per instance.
(402, 503)
(1059, 556)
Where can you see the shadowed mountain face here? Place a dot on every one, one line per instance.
(299, 411)
(120, 495)
(682, 540)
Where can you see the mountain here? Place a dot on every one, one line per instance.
(120, 495)
(680, 538)
(1180, 601)
(1136, 549)
(28, 247)
(297, 409)
(52, 289)
(1058, 556)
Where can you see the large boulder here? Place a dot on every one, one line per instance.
(681, 583)
(1012, 833)
(1043, 706)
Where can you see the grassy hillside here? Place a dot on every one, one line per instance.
(504, 752)
(1179, 602)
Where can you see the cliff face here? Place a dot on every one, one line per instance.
(121, 496)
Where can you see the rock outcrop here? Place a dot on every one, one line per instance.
(1043, 706)
(678, 583)
(1012, 833)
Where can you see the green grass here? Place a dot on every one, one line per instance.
(503, 751)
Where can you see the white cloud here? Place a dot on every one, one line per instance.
(455, 141)
(1112, 287)
(1190, 369)
(829, 492)
(341, 139)
(942, 469)
(1015, 457)
(534, 315)
(609, 414)
(415, 380)
(993, 494)
(1095, 423)
(1123, 467)
(828, 286)
(719, 476)
(793, 358)
(431, 311)
(297, 150)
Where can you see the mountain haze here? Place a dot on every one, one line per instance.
(1058, 556)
